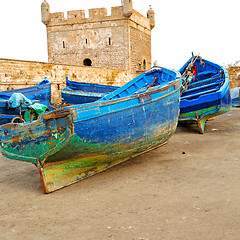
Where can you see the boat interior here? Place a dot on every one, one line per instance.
(209, 79)
(154, 77)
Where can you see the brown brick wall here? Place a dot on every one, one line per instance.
(20, 74)
(234, 76)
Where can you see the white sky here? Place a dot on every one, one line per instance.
(208, 27)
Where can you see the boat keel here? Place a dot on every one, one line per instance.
(62, 175)
(201, 124)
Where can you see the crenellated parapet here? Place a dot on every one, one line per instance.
(139, 20)
(96, 15)
(120, 40)
(79, 16)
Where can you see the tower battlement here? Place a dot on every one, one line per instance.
(79, 16)
(121, 40)
(96, 15)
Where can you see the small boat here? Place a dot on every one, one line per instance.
(235, 92)
(14, 102)
(81, 92)
(77, 141)
(205, 91)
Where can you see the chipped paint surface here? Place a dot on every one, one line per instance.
(75, 142)
(202, 115)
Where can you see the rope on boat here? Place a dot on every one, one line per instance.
(188, 73)
(20, 119)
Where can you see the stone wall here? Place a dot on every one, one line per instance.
(20, 74)
(104, 43)
(234, 76)
(114, 41)
(140, 46)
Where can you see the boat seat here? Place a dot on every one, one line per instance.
(200, 87)
(214, 88)
(207, 78)
(206, 74)
(197, 95)
(215, 78)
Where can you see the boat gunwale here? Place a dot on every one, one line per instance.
(123, 99)
(126, 108)
(81, 93)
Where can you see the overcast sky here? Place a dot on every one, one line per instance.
(208, 27)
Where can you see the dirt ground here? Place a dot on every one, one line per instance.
(187, 189)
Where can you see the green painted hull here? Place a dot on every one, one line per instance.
(93, 159)
(58, 167)
(201, 116)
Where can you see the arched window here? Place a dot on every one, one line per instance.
(87, 62)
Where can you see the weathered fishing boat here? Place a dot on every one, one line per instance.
(12, 108)
(80, 92)
(205, 92)
(235, 92)
(77, 141)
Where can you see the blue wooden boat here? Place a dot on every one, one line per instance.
(81, 92)
(205, 93)
(40, 93)
(74, 142)
(235, 92)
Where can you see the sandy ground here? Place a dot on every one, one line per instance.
(187, 189)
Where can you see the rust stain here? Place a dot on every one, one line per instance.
(148, 121)
(60, 113)
(16, 139)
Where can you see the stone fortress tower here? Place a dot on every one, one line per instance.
(119, 41)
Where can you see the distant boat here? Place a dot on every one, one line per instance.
(235, 92)
(205, 93)
(80, 92)
(75, 142)
(40, 93)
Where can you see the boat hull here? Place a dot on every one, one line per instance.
(78, 142)
(236, 102)
(201, 115)
(208, 99)
(80, 93)
(76, 97)
(235, 93)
